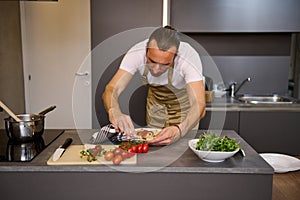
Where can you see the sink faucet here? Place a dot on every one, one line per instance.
(232, 87)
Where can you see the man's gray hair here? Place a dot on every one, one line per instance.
(165, 37)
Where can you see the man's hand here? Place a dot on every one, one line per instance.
(167, 136)
(121, 122)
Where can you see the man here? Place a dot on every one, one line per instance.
(176, 96)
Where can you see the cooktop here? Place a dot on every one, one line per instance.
(13, 151)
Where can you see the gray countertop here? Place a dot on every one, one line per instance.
(175, 158)
(231, 104)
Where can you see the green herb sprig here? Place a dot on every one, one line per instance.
(91, 154)
(212, 142)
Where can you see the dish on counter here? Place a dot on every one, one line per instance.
(210, 156)
(281, 163)
(211, 147)
(147, 133)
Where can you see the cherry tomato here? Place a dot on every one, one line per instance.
(124, 155)
(134, 149)
(140, 148)
(97, 148)
(117, 159)
(118, 151)
(108, 155)
(130, 153)
(145, 148)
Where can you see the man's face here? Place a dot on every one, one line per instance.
(159, 61)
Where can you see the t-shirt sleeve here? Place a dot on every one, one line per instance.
(134, 59)
(192, 68)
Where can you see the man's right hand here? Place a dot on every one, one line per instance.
(121, 122)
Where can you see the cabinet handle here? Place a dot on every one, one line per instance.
(82, 73)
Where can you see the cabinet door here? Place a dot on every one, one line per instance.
(277, 131)
(218, 120)
(235, 15)
(112, 17)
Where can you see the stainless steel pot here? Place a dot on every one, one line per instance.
(30, 126)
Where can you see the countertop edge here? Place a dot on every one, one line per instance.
(124, 169)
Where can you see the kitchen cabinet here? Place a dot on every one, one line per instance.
(213, 120)
(186, 177)
(271, 131)
(236, 15)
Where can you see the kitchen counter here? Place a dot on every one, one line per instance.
(227, 103)
(163, 173)
(257, 123)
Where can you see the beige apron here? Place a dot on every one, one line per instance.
(166, 105)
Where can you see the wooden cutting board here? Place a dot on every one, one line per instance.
(72, 157)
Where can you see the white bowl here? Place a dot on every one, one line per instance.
(210, 156)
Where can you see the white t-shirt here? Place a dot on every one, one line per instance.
(187, 65)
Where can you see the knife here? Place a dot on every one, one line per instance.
(60, 150)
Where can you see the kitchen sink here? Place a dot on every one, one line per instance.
(266, 99)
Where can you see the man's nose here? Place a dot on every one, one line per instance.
(156, 69)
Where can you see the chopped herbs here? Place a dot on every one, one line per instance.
(92, 153)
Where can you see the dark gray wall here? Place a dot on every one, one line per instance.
(265, 57)
(11, 66)
(269, 74)
(109, 18)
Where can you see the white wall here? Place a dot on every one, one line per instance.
(56, 40)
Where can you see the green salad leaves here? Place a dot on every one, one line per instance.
(212, 142)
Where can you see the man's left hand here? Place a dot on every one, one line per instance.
(167, 136)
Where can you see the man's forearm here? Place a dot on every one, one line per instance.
(197, 106)
(192, 118)
(110, 100)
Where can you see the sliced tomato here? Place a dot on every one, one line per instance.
(118, 151)
(124, 155)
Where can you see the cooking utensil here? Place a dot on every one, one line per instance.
(30, 126)
(9, 112)
(60, 150)
(108, 133)
(102, 135)
(47, 110)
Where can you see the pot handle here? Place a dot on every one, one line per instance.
(47, 110)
